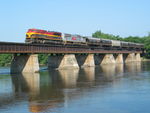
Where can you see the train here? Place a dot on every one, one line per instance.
(38, 36)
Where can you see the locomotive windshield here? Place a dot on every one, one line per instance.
(58, 34)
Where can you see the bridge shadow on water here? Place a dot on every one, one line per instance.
(52, 89)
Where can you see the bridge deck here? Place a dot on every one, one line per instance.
(10, 47)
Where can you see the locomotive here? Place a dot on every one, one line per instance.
(52, 37)
(42, 36)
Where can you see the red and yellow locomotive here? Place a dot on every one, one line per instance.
(41, 36)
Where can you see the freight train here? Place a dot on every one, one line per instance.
(38, 36)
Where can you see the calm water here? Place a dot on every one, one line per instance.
(104, 89)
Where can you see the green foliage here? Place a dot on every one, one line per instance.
(147, 46)
(135, 39)
(5, 59)
(99, 34)
(43, 59)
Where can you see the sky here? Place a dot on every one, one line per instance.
(84, 17)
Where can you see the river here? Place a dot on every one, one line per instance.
(101, 89)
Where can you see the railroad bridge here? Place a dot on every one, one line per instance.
(26, 56)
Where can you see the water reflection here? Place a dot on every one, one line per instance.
(41, 94)
(139, 66)
(119, 69)
(32, 81)
(49, 96)
(108, 72)
(19, 84)
(133, 68)
(69, 77)
(89, 73)
(52, 89)
(6, 91)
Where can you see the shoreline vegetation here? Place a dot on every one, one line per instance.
(144, 59)
(5, 59)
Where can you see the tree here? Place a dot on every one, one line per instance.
(99, 34)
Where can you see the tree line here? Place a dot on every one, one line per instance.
(5, 59)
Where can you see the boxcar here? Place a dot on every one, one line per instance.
(69, 38)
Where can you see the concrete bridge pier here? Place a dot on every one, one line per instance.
(138, 57)
(68, 61)
(129, 58)
(119, 59)
(25, 63)
(89, 62)
(108, 59)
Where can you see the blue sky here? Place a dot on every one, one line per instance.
(84, 17)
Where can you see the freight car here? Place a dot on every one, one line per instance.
(73, 39)
(93, 41)
(98, 42)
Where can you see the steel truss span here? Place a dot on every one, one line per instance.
(10, 47)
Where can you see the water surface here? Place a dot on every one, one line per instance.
(103, 89)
